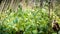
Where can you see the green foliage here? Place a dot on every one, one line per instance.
(28, 21)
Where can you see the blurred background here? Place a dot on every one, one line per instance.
(29, 16)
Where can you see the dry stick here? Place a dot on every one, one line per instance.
(53, 10)
(49, 8)
(3, 3)
(55, 16)
(11, 4)
(49, 16)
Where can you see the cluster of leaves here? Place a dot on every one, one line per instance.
(30, 21)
